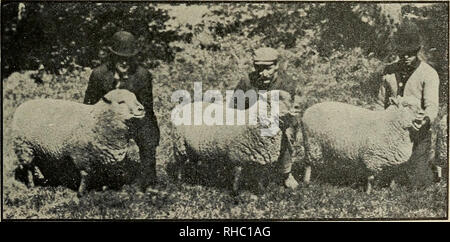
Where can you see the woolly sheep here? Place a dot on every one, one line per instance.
(240, 145)
(371, 140)
(90, 136)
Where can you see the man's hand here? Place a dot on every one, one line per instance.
(421, 121)
(390, 78)
(286, 121)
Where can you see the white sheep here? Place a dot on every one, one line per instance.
(240, 145)
(91, 137)
(372, 140)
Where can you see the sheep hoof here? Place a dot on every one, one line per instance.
(307, 176)
(393, 185)
(369, 184)
(290, 182)
(80, 194)
(438, 174)
(234, 193)
(261, 188)
(82, 187)
(30, 179)
(178, 175)
(145, 183)
(237, 171)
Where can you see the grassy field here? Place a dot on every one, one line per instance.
(202, 199)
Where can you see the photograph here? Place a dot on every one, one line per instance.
(224, 111)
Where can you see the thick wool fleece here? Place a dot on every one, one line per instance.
(374, 139)
(238, 144)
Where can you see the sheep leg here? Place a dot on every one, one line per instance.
(178, 169)
(369, 184)
(83, 183)
(392, 184)
(25, 155)
(438, 173)
(30, 177)
(180, 161)
(307, 176)
(261, 186)
(178, 172)
(237, 171)
(261, 179)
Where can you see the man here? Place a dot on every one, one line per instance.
(121, 71)
(268, 76)
(410, 76)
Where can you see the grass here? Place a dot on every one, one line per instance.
(204, 199)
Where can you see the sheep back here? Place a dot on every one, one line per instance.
(355, 134)
(58, 129)
(234, 143)
(48, 125)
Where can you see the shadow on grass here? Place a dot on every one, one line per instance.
(219, 174)
(64, 173)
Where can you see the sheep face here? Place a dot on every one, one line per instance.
(124, 104)
(408, 108)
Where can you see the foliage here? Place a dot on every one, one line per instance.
(320, 48)
(74, 33)
(433, 21)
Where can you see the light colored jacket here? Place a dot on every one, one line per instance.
(422, 84)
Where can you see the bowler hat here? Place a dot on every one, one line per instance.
(124, 44)
(407, 39)
(265, 56)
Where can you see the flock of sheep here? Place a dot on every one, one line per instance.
(94, 140)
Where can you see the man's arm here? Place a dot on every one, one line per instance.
(149, 123)
(146, 94)
(431, 96)
(93, 92)
(384, 93)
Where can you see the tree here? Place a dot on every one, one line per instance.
(58, 35)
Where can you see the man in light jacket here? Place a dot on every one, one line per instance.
(411, 76)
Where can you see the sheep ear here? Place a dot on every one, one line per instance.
(394, 101)
(106, 100)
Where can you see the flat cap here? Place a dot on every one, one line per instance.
(265, 56)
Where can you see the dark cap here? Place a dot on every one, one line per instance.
(407, 38)
(124, 44)
(265, 56)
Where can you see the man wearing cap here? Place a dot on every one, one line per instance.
(269, 76)
(411, 76)
(121, 71)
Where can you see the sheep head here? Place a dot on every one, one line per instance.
(408, 108)
(124, 104)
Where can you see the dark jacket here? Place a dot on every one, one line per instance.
(139, 82)
(282, 82)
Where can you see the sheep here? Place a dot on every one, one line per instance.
(371, 140)
(240, 145)
(90, 137)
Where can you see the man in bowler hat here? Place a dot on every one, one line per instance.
(121, 71)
